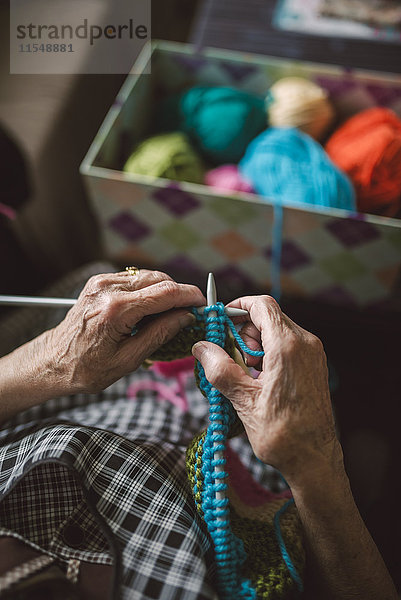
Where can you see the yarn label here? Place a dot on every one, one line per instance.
(74, 37)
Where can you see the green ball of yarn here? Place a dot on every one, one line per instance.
(169, 155)
(220, 121)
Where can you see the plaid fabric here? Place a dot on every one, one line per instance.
(101, 478)
(115, 469)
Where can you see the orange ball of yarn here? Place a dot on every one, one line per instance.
(368, 148)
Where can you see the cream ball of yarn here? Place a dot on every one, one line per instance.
(301, 103)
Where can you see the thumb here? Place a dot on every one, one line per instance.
(222, 372)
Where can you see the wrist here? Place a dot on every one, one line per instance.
(318, 471)
(29, 376)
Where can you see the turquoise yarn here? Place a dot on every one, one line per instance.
(221, 121)
(289, 167)
(287, 558)
(229, 549)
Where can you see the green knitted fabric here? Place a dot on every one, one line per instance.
(264, 565)
(256, 526)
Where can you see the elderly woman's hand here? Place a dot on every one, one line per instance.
(93, 347)
(286, 411)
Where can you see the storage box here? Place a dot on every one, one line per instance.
(187, 229)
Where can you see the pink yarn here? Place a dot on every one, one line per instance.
(163, 391)
(7, 211)
(242, 482)
(174, 367)
(228, 178)
(180, 368)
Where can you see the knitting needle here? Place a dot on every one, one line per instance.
(211, 297)
(35, 301)
(67, 302)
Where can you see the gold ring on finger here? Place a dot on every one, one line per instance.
(132, 270)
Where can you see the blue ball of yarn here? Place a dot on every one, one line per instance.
(220, 121)
(287, 165)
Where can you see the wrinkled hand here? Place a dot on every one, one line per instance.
(93, 347)
(286, 410)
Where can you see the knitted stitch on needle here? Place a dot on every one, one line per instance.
(258, 543)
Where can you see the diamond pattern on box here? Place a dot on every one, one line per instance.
(257, 264)
(129, 226)
(377, 254)
(158, 247)
(342, 267)
(234, 278)
(114, 239)
(182, 264)
(208, 258)
(233, 211)
(151, 212)
(291, 287)
(258, 232)
(319, 242)
(132, 253)
(301, 222)
(175, 199)
(352, 232)
(292, 256)
(312, 278)
(365, 288)
(206, 225)
(232, 245)
(378, 94)
(180, 235)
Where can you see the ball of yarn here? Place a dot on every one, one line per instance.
(288, 166)
(301, 103)
(167, 155)
(227, 178)
(368, 147)
(220, 121)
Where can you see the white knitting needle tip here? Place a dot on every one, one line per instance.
(211, 294)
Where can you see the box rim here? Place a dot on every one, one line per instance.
(88, 169)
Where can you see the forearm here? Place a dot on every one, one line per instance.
(343, 562)
(29, 376)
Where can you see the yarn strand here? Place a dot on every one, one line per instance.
(210, 467)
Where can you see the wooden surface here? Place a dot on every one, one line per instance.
(247, 26)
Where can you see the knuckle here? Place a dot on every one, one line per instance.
(168, 287)
(160, 276)
(269, 302)
(109, 307)
(315, 343)
(98, 283)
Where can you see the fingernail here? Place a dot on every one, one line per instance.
(186, 320)
(198, 349)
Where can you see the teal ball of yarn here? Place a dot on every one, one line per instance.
(288, 166)
(220, 121)
(169, 155)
